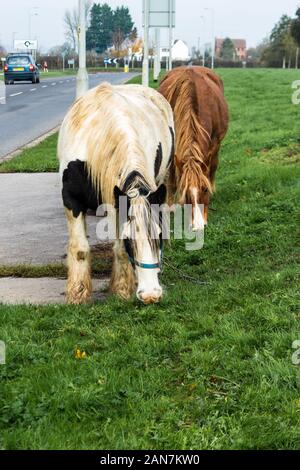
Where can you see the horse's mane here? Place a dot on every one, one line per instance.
(111, 136)
(179, 89)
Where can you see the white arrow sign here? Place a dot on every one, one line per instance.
(25, 45)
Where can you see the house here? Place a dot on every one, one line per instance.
(239, 44)
(180, 51)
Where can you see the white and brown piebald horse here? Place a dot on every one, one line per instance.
(116, 141)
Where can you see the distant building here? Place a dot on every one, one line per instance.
(180, 51)
(239, 44)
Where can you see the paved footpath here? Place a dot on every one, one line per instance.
(33, 228)
(43, 291)
(33, 231)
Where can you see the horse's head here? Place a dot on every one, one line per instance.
(141, 232)
(195, 189)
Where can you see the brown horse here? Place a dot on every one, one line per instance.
(196, 95)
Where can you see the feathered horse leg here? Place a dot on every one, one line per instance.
(79, 286)
(123, 282)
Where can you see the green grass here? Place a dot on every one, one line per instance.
(208, 368)
(39, 159)
(58, 73)
(138, 80)
(68, 72)
(24, 271)
(101, 267)
(53, 74)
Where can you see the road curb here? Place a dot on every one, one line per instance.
(30, 145)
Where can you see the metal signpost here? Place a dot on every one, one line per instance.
(25, 45)
(82, 76)
(2, 85)
(63, 54)
(107, 62)
(157, 62)
(157, 14)
(28, 45)
(145, 80)
(212, 12)
(71, 63)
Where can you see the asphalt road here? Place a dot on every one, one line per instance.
(33, 110)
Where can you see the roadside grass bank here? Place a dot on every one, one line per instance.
(39, 159)
(101, 267)
(210, 367)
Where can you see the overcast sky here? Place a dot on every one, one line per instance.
(251, 20)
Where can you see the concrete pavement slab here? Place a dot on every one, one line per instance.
(44, 291)
(33, 228)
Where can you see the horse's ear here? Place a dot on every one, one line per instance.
(118, 193)
(159, 197)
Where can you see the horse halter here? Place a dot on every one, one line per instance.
(137, 264)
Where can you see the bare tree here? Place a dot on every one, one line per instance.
(2, 51)
(71, 22)
(71, 25)
(118, 39)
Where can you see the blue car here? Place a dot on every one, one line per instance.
(21, 67)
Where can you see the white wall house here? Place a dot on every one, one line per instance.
(180, 51)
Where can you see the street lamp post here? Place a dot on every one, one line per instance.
(146, 44)
(213, 36)
(203, 35)
(32, 12)
(157, 64)
(171, 8)
(82, 76)
(63, 54)
(13, 39)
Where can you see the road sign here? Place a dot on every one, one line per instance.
(160, 13)
(71, 62)
(157, 14)
(116, 61)
(25, 44)
(107, 61)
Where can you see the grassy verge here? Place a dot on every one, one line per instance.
(208, 368)
(53, 74)
(138, 80)
(101, 267)
(24, 271)
(71, 72)
(39, 159)
(58, 73)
